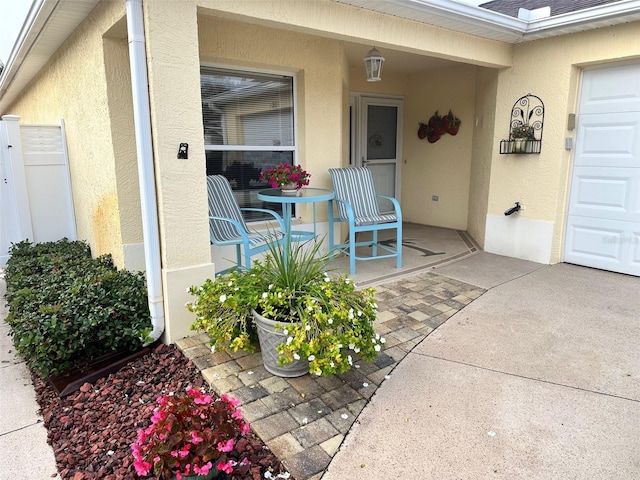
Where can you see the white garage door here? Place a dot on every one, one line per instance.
(603, 223)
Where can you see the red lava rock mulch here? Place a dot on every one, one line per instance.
(92, 430)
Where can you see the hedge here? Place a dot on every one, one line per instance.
(67, 308)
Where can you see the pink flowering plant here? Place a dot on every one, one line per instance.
(284, 174)
(190, 434)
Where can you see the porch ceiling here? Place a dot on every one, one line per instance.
(395, 61)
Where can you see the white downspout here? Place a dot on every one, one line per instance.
(142, 124)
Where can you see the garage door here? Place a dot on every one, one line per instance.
(603, 222)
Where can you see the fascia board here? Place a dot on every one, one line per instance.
(47, 26)
(31, 28)
(589, 15)
(503, 26)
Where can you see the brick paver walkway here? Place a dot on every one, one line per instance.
(304, 420)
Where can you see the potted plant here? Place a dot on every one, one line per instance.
(321, 321)
(189, 436)
(520, 135)
(288, 177)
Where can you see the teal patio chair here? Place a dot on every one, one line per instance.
(357, 204)
(227, 225)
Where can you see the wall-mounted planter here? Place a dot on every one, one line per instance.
(520, 146)
(525, 127)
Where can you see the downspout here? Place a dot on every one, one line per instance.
(146, 174)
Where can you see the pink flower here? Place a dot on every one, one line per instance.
(158, 416)
(203, 400)
(226, 467)
(244, 428)
(226, 446)
(142, 468)
(237, 414)
(234, 402)
(204, 469)
(195, 438)
(184, 451)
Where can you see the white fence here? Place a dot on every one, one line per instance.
(35, 188)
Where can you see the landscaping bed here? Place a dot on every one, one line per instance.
(92, 430)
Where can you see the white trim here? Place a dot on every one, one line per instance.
(497, 26)
(518, 237)
(361, 117)
(256, 148)
(72, 211)
(146, 171)
(353, 128)
(250, 148)
(267, 148)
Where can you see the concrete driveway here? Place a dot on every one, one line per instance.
(539, 378)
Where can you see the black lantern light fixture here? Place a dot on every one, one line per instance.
(373, 63)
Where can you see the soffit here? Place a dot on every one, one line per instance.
(49, 24)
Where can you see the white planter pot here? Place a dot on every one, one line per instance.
(289, 189)
(269, 339)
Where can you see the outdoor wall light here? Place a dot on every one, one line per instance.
(373, 63)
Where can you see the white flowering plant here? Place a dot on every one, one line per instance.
(326, 319)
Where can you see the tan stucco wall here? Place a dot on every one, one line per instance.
(320, 69)
(549, 69)
(176, 117)
(345, 22)
(481, 151)
(77, 72)
(118, 76)
(441, 168)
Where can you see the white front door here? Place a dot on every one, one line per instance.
(379, 144)
(603, 222)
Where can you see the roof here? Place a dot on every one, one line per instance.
(485, 23)
(558, 7)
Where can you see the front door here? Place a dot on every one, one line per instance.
(379, 144)
(603, 224)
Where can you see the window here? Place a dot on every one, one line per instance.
(248, 127)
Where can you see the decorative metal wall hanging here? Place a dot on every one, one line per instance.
(525, 126)
(438, 126)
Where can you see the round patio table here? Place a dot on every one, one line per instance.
(303, 195)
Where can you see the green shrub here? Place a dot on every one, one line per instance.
(67, 308)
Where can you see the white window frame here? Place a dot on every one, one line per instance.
(268, 148)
